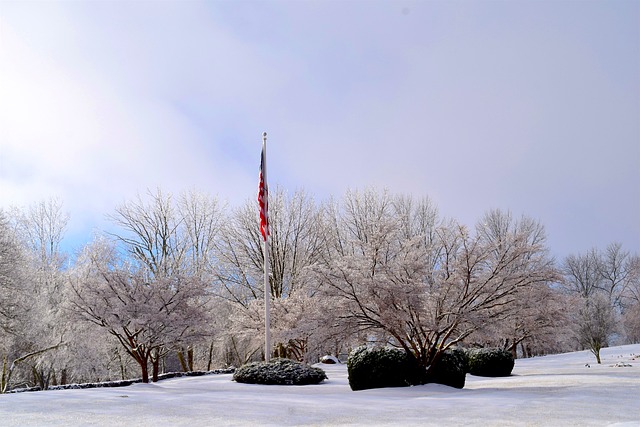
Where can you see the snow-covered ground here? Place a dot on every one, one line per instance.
(554, 390)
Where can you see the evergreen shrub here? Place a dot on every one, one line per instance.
(381, 367)
(279, 371)
(450, 370)
(490, 362)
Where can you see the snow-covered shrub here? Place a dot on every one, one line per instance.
(381, 367)
(279, 371)
(490, 362)
(450, 370)
(329, 360)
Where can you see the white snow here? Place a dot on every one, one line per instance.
(556, 390)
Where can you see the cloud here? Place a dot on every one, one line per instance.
(94, 128)
(527, 107)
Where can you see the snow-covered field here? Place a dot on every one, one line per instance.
(554, 390)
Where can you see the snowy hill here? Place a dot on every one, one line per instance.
(566, 389)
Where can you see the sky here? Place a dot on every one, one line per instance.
(558, 390)
(528, 106)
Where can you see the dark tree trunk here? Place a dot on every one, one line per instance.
(210, 356)
(143, 360)
(156, 366)
(144, 370)
(513, 348)
(183, 363)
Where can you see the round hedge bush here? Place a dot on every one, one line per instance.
(490, 362)
(450, 370)
(279, 371)
(381, 367)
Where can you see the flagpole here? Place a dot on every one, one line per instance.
(267, 288)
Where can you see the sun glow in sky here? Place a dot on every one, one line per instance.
(532, 107)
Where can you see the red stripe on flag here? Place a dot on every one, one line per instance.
(263, 202)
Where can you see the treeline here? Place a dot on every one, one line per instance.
(178, 286)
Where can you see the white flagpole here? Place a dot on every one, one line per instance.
(267, 288)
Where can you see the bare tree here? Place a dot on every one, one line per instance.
(537, 324)
(43, 226)
(147, 314)
(595, 323)
(201, 218)
(536, 310)
(626, 280)
(631, 314)
(150, 233)
(430, 289)
(602, 285)
(11, 261)
(30, 292)
(582, 274)
(13, 302)
(617, 274)
(170, 238)
(296, 242)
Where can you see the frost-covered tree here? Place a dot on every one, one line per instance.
(595, 322)
(431, 285)
(536, 314)
(151, 232)
(147, 314)
(171, 237)
(302, 327)
(582, 274)
(537, 324)
(12, 301)
(602, 285)
(42, 227)
(31, 283)
(82, 353)
(631, 314)
(295, 243)
(619, 274)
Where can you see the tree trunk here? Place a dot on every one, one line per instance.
(513, 348)
(437, 355)
(156, 368)
(210, 356)
(3, 381)
(145, 370)
(155, 362)
(183, 363)
(37, 379)
(280, 350)
(122, 370)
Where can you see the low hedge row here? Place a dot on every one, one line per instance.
(391, 367)
(381, 367)
(490, 362)
(450, 370)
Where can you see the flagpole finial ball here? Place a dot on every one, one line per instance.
(264, 134)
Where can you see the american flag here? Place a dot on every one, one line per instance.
(263, 200)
